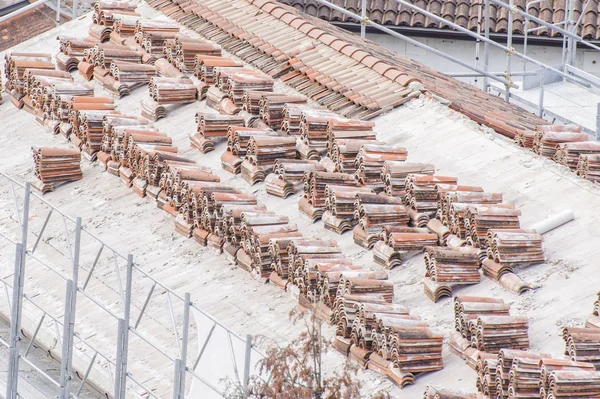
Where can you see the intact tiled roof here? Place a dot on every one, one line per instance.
(462, 12)
(26, 26)
(336, 68)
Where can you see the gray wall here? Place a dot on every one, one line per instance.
(6, 3)
(465, 50)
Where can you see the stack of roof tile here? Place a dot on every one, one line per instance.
(582, 344)
(313, 203)
(151, 35)
(569, 384)
(550, 366)
(240, 81)
(187, 49)
(130, 75)
(398, 243)
(91, 130)
(479, 219)
(370, 160)
(588, 167)
(272, 106)
(343, 153)
(421, 195)
(292, 117)
(488, 327)
(339, 203)
(124, 26)
(394, 174)
(262, 154)
(291, 261)
(172, 90)
(165, 69)
(452, 265)
(104, 9)
(411, 346)
(313, 132)
(352, 129)
(568, 154)
(205, 65)
(514, 249)
(519, 370)
(452, 206)
(15, 66)
(288, 175)
(152, 110)
(178, 179)
(546, 143)
(212, 125)
(55, 166)
(238, 139)
(374, 213)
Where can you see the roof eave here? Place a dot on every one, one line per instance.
(452, 34)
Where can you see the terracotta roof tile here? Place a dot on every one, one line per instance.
(462, 12)
(355, 77)
(25, 26)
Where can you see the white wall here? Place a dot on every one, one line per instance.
(465, 50)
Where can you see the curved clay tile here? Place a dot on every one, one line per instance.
(335, 14)
(349, 50)
(597, 33)
(392, 73)
(353, 6)
(518, 26)
(434, 7)
(559, 11)
(545, 14)
(517, 19)
(311, 7)
(477, 11)
(462, 14)
(418, 19)
(493, 17)
(404, 16)
(588, 30)
(448, 10)
(324, 13)
(502, 20)
(588, 23)
(390, 12)
(376, 14)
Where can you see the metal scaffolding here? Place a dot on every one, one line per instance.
(567, 71)
(96, 275)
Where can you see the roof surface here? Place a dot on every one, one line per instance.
(430, 131)
(461, 12)
(25, 26)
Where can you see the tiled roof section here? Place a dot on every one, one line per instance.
(506, 118)
(284, 44)
(337, 68)
(25, 26)
(462, 12)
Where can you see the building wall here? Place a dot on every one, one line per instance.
(7, 3)
(466, 51)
